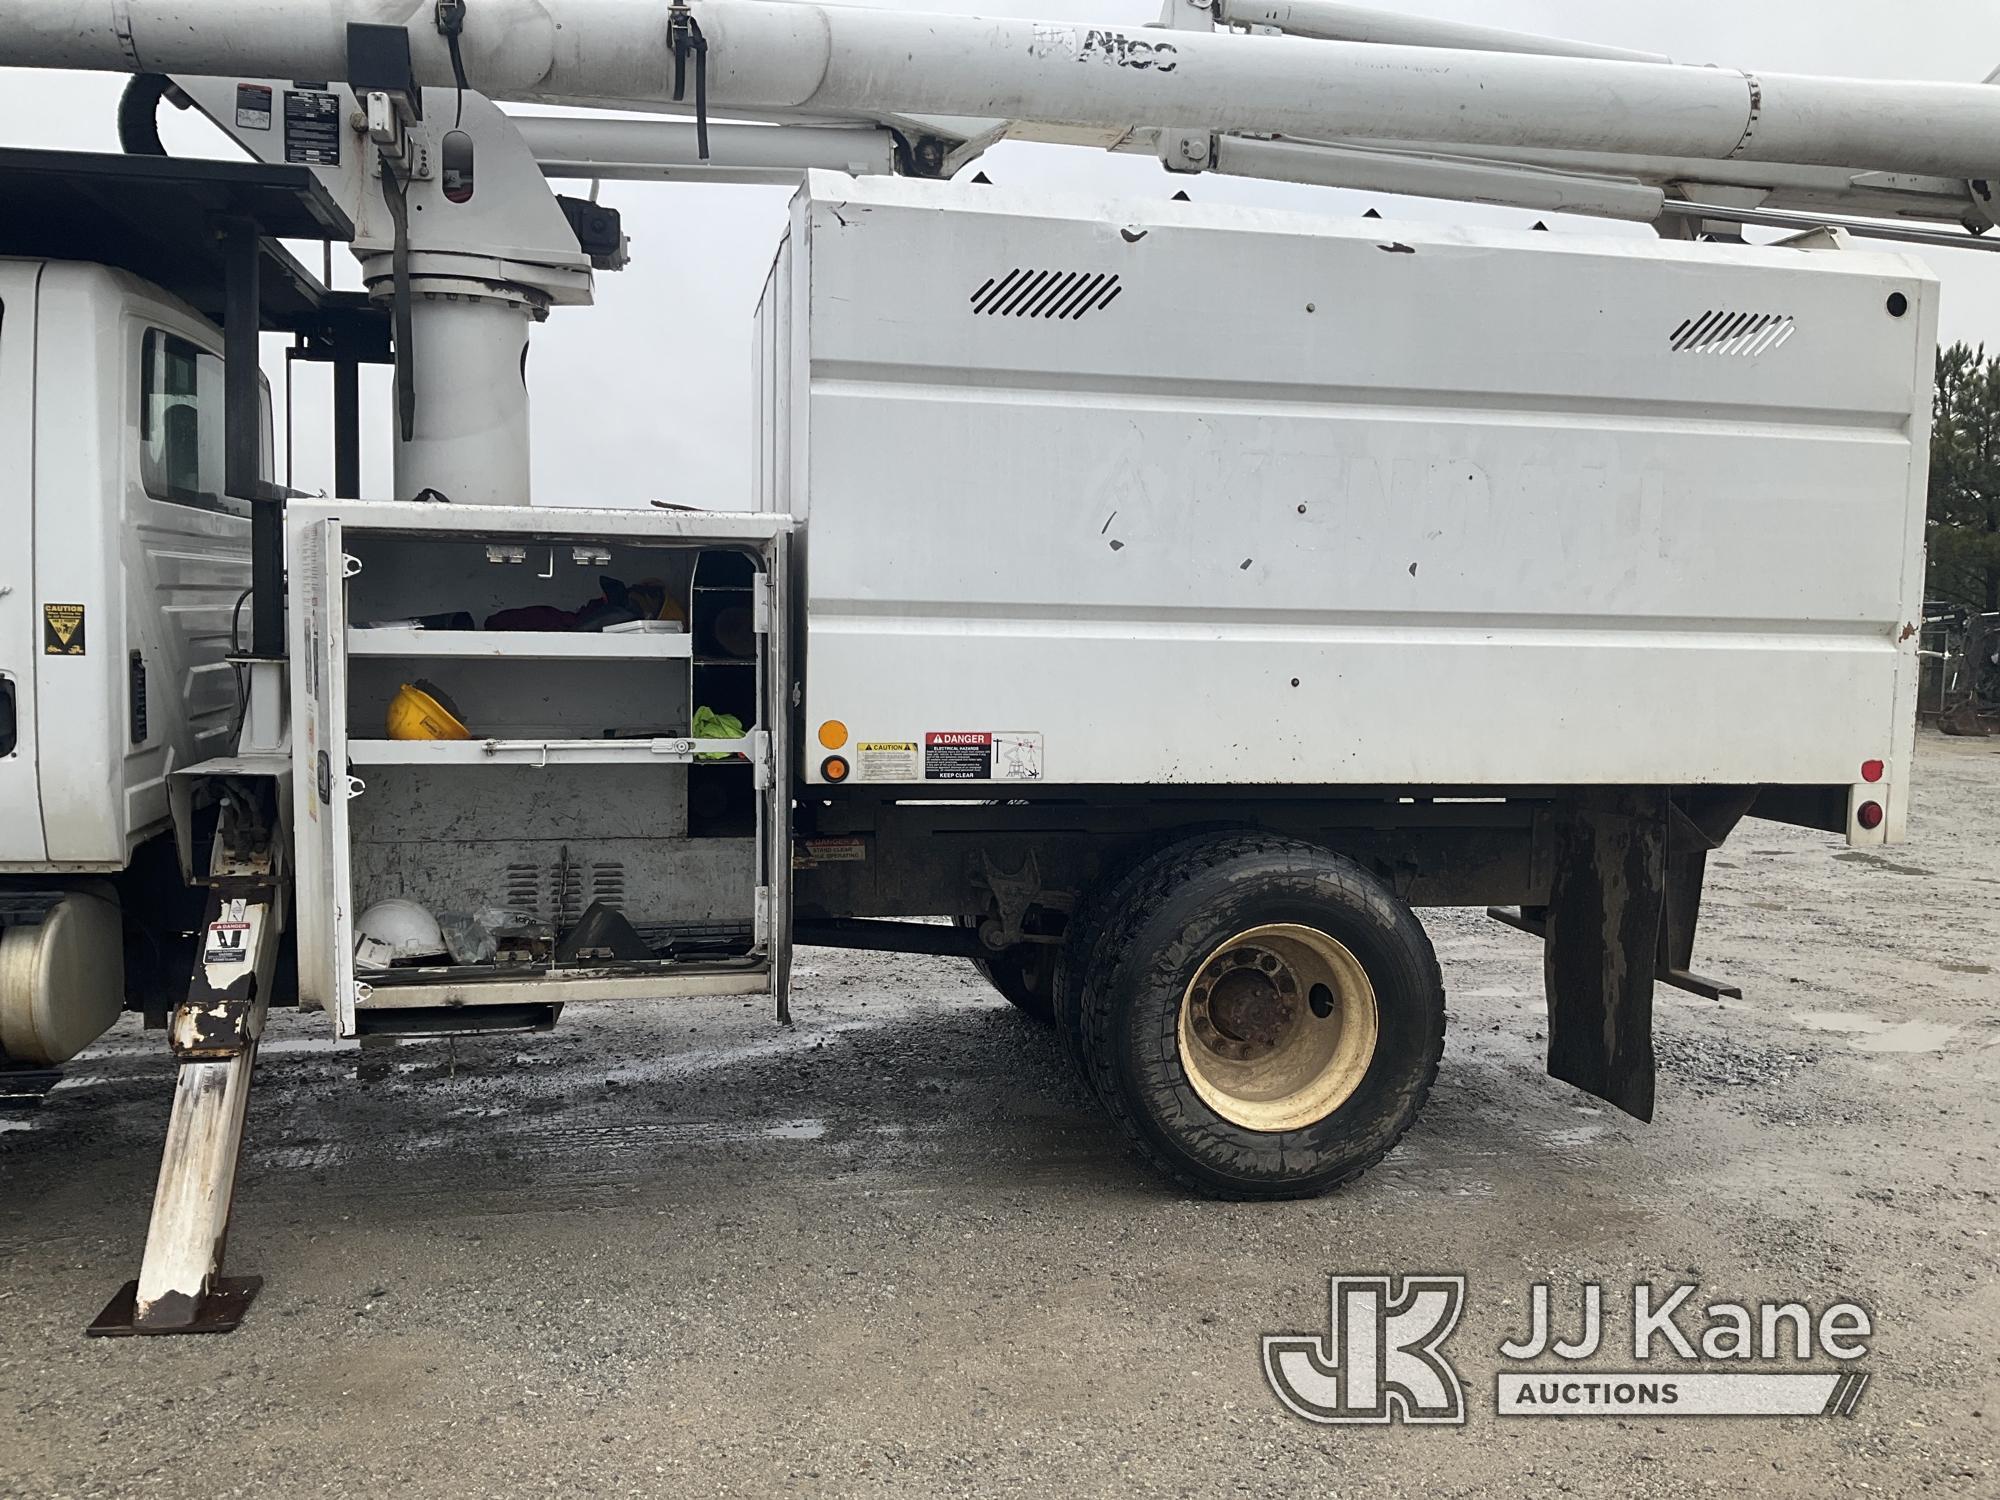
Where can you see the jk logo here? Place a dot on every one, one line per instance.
(1379, 1359)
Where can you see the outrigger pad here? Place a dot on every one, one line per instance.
(227, 1302)
(1601, 938)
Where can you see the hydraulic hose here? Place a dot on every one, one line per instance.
(138, 114)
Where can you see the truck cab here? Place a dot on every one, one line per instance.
(116, 624)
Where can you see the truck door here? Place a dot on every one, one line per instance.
(21, 837)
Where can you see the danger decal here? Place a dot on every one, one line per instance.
(983, 755)
(958, 756)
(228, 943)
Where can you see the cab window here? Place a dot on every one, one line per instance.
(181, 424)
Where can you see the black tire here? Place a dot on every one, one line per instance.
(1024, 975)
(1159, 928)
(1087, 922)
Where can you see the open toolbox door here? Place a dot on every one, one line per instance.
(321, 782)
(775, 793)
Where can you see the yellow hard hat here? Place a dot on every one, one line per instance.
(420, 712)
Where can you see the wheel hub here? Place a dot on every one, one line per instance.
(1278, 1027)
(1244, 1011)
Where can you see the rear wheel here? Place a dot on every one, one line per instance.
(1096, 904)
(1263, 1017)
(1086, 924)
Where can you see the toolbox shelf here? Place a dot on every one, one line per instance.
(514, 645)
(422, 990)
(667, 751)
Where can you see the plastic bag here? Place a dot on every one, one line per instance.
(710, 725)
(474, 937)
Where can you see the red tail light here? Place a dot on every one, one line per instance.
(1869, 815)
(1871, 770)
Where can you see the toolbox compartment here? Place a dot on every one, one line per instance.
(588, 772)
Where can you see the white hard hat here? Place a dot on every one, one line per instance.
(390, 930)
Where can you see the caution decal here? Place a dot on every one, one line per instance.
(62, 630)
(886, 760)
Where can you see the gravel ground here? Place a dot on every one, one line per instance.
(895, 1250)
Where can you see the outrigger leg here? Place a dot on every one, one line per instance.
(214, 1034)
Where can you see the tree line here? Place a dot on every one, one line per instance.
(1964, 518)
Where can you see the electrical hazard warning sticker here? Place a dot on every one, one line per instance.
(958, 755)
(965, 755)
(886, 760)
(62, 630)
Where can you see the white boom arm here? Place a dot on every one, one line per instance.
(1333, 22)
(770, 56)
(1438, 109)
(661, 150)
(1680, 195)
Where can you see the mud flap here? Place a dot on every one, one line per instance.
(1602, 933)
(1624, 901)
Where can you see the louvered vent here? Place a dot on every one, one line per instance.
(562, 889)
(1737, 333)
(524, 887)
(1027, 293)
(607, 883)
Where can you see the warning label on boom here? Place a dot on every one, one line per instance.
(312, 128)
(62, 630)
(253, 106)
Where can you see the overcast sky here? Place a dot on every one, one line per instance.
(648, 394)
